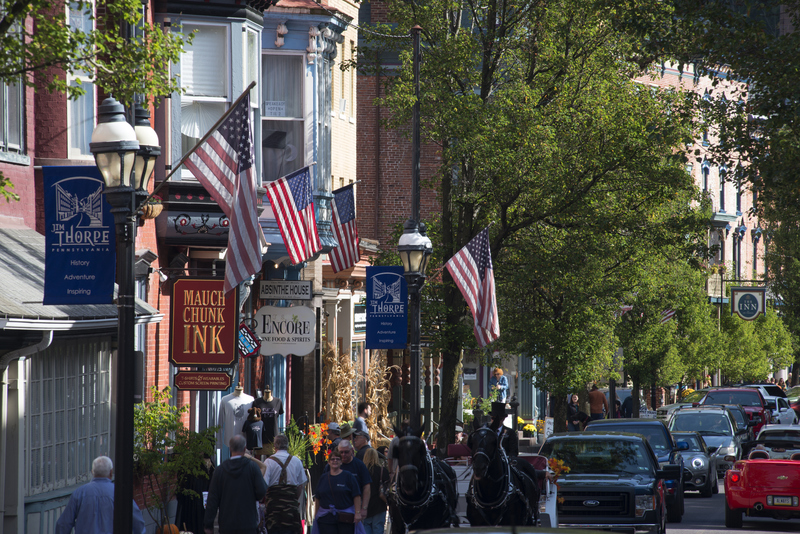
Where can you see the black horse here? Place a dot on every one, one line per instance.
(499, 493)
(424, 494)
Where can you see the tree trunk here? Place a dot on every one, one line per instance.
(635, 397)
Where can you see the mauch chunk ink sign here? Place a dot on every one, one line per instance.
(79, 237)
(203, 323)
(387, 308)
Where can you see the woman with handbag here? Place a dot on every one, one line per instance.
(337, 501)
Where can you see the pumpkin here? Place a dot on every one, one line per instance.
(168, 529)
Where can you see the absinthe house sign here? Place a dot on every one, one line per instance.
(286, 331)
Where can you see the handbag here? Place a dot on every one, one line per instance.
(345, 517)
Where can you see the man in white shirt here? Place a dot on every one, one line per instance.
(285, 478)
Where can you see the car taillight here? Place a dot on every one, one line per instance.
(734, 477)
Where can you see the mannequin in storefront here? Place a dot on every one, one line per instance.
(232, 415)
(271, 408)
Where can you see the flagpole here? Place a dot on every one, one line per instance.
(200, 142)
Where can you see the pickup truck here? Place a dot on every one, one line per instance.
(664, 446)
(762, 486)
(614, 482)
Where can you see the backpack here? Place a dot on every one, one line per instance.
(283, 508)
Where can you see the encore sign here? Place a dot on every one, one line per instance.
(203, 323)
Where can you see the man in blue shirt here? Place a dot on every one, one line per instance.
(91, 507)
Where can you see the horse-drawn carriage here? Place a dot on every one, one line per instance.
(501, 491)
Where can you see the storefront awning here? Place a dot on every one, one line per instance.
(22, 253)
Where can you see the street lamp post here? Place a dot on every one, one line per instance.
(414, 246)
(117, 151)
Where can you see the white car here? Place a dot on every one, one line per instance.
(782, 412)
(780, 441)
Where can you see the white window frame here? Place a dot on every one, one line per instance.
(74, 152)
(304, 105)
(185, 173)
(68, 413)
(13, 151)
(253, 54)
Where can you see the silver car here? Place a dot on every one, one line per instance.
(719, 430)
(700, 463)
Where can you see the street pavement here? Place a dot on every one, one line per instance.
(705, 516)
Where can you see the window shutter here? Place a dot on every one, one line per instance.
(204, 60)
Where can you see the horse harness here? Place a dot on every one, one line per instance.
(502, 502)
(420, 505)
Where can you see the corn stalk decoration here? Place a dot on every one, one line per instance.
(340, 394)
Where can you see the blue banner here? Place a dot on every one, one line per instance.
(387, 308)
(79, 237)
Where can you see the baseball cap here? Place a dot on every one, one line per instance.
(459, 429)
(334, 427)
(361, 433)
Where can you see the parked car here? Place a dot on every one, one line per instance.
(762, 488)
(793, 396)
(615, 481)
(665, 412)
(665, 449)
(779, 441)
(719, 430)
(742, 419)
(782, 412)
(751, 400)
(701, 464)
(767, 390)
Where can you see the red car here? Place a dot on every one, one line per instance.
(751, 400)
(762, 488)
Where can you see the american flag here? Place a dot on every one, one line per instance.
(223, 165)
(293, 203)
(471, 269)
(344, 228)
(667, 315)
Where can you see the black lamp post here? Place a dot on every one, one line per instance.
(414, 246)
(117, 153)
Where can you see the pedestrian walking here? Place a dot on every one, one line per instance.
(364, 410)
(285, 478)
(575, 417)
(499, 383)
(91, 507)
(376, 510)
(598, 404)
(236, 487)
(337, 501)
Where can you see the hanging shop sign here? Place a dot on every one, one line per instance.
(285, 290)
(748, 302)
(286, 331)
(387, 308)
(203, 323)
(202, 381)
(79, 237)
(249, 343)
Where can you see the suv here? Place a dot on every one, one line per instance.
(751, 400)
(666, 411)
(665, 449)
(614, 482)
(718, 427)
(742, 419)
(767, 390)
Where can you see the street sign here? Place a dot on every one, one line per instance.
(202, 381)
(285, 290)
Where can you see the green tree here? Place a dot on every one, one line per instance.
(542, 131)
(35, 37)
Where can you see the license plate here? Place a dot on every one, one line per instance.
(782, 501)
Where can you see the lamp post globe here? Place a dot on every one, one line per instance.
(114, 145)
(149, 149)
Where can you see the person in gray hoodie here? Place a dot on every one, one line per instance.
(236, 486)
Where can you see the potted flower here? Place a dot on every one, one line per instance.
(152, 207)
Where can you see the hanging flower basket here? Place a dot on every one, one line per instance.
(152, 208)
